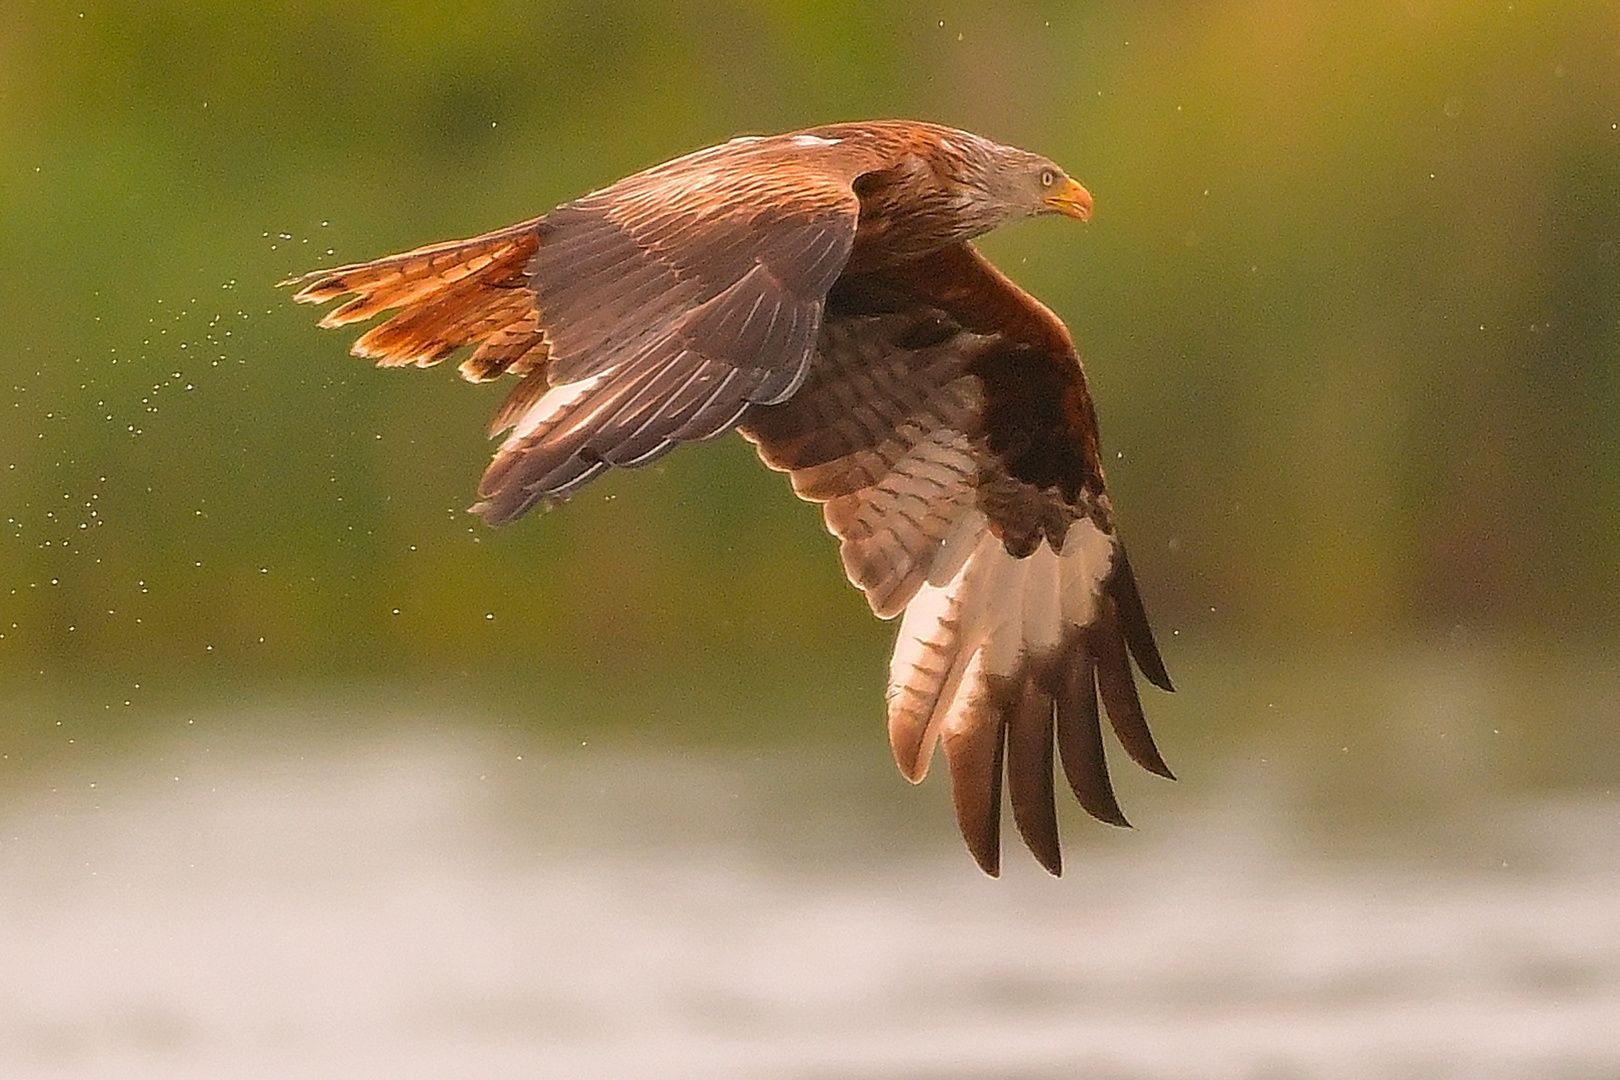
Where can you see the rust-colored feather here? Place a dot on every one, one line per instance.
(447, 296)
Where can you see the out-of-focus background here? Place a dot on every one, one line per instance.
(303, 771)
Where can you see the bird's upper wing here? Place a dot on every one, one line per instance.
(947, 429)
(670, 302)
(651, 312)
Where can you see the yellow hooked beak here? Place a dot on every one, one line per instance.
(1071, 200)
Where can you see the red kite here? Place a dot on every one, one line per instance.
(818, 292)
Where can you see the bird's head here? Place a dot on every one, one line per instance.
(1035, 185)
(1022, 184)
(1059, 193)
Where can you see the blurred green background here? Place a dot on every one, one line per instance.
(1350, 303)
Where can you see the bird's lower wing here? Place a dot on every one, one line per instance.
(1019, 605)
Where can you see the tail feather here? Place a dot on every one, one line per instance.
(446, 296)
(435, 324)
(518, 348)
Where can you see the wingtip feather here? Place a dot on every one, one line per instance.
(1133, 619)
(1029, 773)
(1117, 688)
(974, 754)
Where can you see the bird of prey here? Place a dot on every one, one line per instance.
(818, 291)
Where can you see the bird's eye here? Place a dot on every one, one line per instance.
(1048, 178)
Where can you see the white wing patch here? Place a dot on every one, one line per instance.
(812, 140)
(994, 614)
(552, 404)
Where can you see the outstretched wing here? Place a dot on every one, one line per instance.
(646, 314)
(946, 427)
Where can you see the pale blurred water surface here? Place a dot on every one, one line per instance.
(259, 899)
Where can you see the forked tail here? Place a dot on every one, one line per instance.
(462, 292)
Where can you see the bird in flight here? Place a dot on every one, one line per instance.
(818, 291)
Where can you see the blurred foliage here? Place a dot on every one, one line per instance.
(1350, 302)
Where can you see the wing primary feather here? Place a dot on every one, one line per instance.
(1118, 691)
(975, 740)
(1079, 738)
(1134, 621)
(1029, 771)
